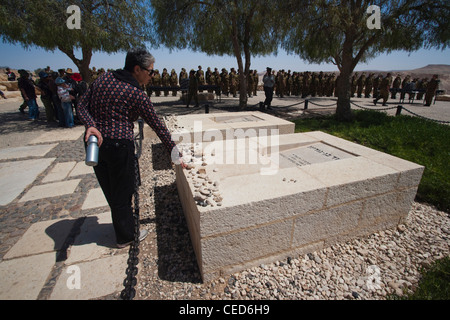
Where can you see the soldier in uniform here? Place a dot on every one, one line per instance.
(165, 81)
(320, 84)
(432, 86)
(396, 86)
(208, 78)
(288, 83)
(361, 82)
(173, 81)
(421, 85)
(384, 89)
(255, 82)
(404, 85)
(305, 84)
(376, 85)
(147, 87)
(183, 74)
(217, 80)
(200, 77)
(250, 80)
(224, 81)
(233, 82)
(193, 88)
(157, 82)
(368, 85)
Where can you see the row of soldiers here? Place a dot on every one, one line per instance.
(228, 82)
(297, 84)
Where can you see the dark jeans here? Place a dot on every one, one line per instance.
(269, 95)
(116, 174)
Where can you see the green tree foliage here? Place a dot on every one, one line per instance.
(107, 26)
(240, 28)
(324, 31)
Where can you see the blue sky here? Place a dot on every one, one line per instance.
(16, 57)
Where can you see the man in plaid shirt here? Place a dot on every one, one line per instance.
(108, 110)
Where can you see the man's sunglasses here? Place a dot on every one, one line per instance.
(150, 72)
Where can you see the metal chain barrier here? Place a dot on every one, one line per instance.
(325, 106)
(128, 293)
(399, 108)
(419, 116)
(366, 108)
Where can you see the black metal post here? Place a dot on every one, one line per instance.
(399, 110)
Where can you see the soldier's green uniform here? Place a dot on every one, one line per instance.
(396, 85)
(225, 83)
(320, 84)
(217, 80)
(376, 85)
(384, 89)
(368, 86)
(183, 74)
(404, 84)
(200, 77)
(255, 82)
(361, 82)
(288, 83)
(208, 78)
(165, 80)
(173, 81)
(250, 80)
(432, 86)
(421, 85)
(157, 82)
(193, 88)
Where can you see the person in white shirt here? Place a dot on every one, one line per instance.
(269, 82)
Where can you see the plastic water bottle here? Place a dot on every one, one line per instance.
(92, 151)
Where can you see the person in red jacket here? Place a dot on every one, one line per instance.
(108, 110)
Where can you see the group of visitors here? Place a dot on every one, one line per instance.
(60, 92)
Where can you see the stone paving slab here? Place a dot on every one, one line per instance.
(97, 278)
(51, 190)
(23, 278)
(96, 239)
(94, 199)
(26, 151)
(59, 172)
(81, 169)
(59, 134)
(16, 176)
(41, 237)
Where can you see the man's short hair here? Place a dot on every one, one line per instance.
(138, 57)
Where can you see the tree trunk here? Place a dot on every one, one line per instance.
(343, 109)
(237, 52)
(83, 64)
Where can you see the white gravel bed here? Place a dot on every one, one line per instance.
(382, 264)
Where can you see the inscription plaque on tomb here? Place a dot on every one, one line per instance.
(314, 153)
(235, 119)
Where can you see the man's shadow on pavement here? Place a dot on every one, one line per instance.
(78, 232)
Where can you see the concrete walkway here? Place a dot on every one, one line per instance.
(56, 235)
(62, 246)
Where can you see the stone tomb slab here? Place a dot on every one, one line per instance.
(304, 192)
(219, 125)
